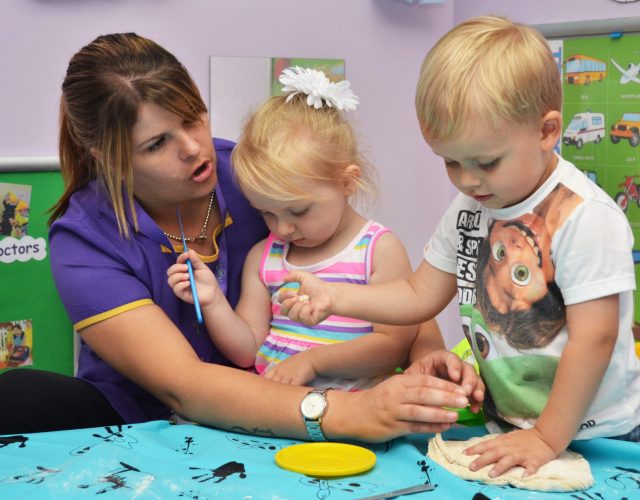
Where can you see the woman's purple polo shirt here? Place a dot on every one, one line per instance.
(98, 274)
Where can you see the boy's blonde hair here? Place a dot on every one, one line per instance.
(285, 144)
(486, 68)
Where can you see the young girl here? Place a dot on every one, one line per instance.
(297, 162)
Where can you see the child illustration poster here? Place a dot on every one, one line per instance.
(34, 327)
(601, 114)
(14, 210)
(333, 68)
(16, 343)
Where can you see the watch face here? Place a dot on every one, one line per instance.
(313, 405)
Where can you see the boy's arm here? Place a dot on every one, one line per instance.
(239, 334)
(377, 353)
(593, 330)
(401, 302)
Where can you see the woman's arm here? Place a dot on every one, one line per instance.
(449, 366)
(146, 347)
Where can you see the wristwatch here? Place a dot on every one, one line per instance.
(313, 407)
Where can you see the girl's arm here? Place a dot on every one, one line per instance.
(428, 339)
(237, 334)
(254, 306)
(377, 353)
(240, 333)
(593, 330)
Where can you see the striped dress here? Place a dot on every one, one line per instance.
(287, 337)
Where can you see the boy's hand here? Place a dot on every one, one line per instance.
(311, 304)
(447, 365)
(295, 370)
(178, 278)
(526, 448)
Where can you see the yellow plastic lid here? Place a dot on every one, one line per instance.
(326, 459)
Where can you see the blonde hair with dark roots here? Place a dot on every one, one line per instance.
(488, 68)
(284, 145)
(106, 82)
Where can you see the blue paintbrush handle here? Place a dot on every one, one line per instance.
(192, 279)
(196, 302)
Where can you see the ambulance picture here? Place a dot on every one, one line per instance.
(584, 127)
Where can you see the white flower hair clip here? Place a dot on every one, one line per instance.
(318, 88)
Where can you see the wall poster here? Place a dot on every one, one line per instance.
(35, 330)
(238, 85)
(601, 120)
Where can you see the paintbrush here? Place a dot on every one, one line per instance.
(192, 279)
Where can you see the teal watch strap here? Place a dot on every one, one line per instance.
(314, 424)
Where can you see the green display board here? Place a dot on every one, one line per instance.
(601, 115)
(35, 330)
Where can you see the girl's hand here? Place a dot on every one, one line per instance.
(209, 292)
(525, 448)
(295, 370)
(447, 365)
(311, 304)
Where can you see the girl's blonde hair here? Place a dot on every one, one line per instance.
(284, 145)
(106, 82)
(487, 68)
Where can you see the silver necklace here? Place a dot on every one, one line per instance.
(203, 231)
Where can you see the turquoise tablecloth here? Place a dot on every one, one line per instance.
(158, 460)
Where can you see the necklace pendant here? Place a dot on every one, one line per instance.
(203, 231)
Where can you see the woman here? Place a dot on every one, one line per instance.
(134, 146)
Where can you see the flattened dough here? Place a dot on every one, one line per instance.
(569, 472)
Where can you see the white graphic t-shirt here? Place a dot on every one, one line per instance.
(517, 268)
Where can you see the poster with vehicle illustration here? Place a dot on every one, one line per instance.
(601, 116)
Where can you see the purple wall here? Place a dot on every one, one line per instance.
(382, 41)
(546, 11)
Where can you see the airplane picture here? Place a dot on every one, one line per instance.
(628, 75)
